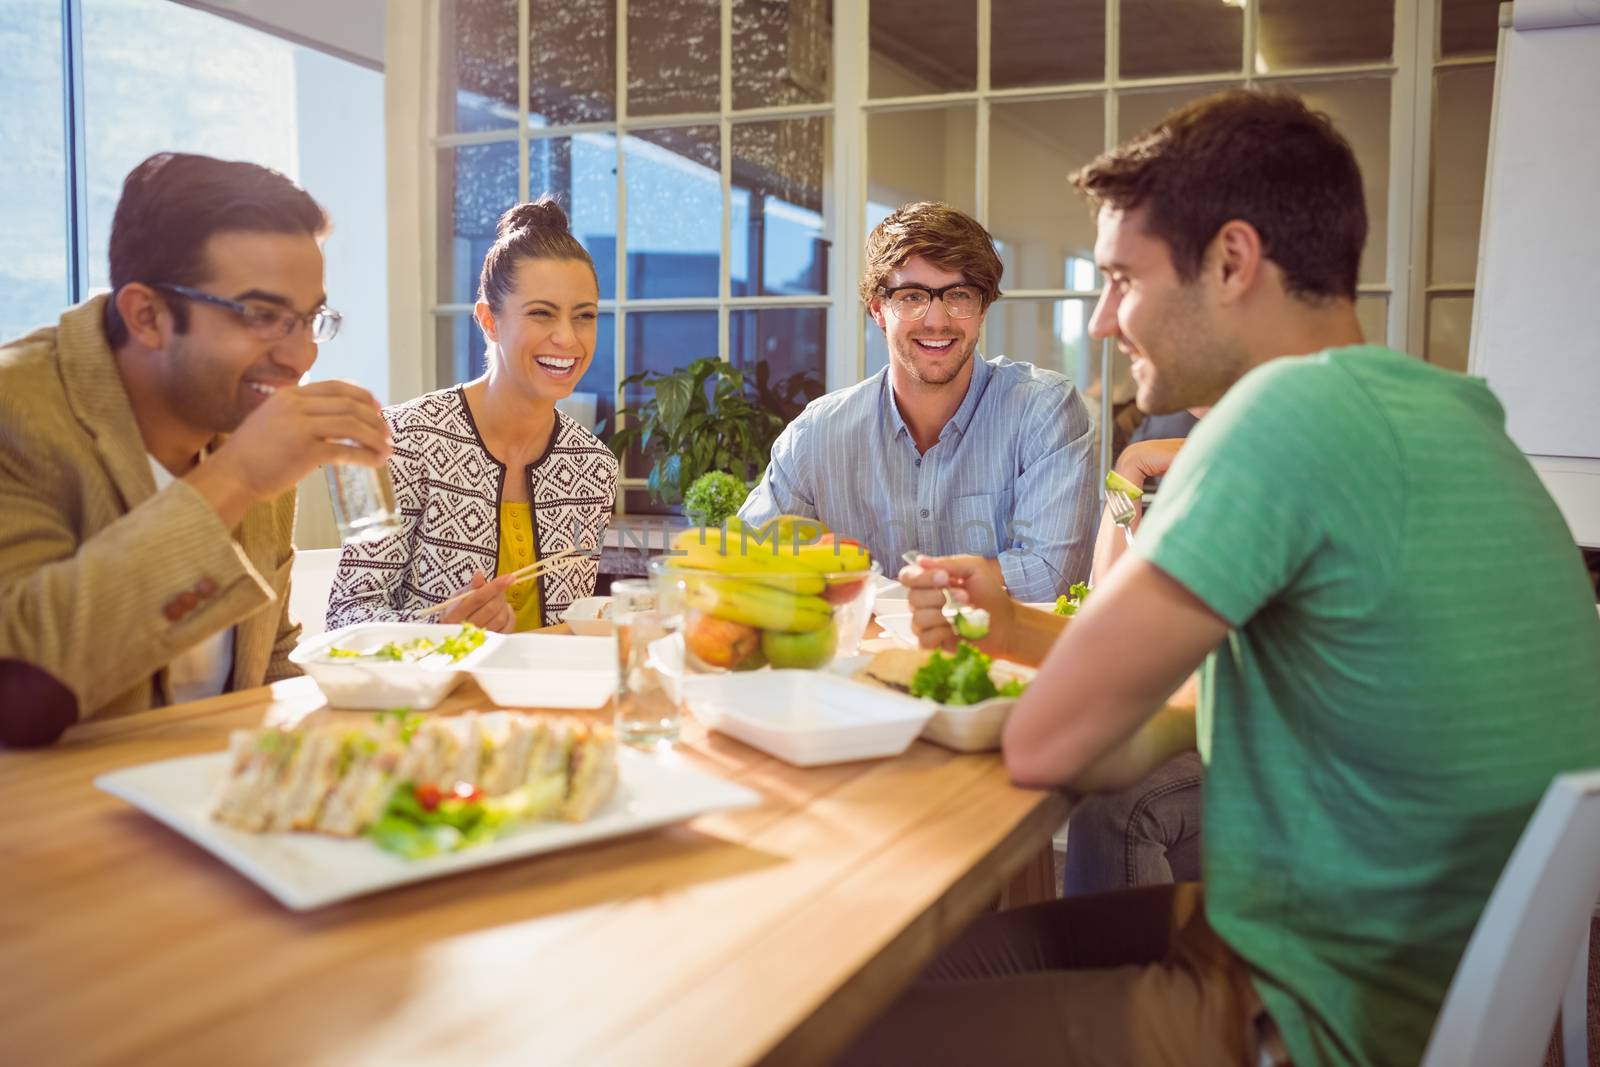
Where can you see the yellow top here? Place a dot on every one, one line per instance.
(516, 552)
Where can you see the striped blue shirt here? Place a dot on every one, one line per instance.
(1012, 476)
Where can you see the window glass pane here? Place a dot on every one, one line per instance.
(482, 180)
(1162, 37)
(674, 212)
(1462, 99)
(1449, 331)
(1053, 334)
(915, 48)
(477, 63)
(1138, 112)
(1468, 27)
(877, 348)
(1033, 43)
(1040, 223)
(1360, 111)
(1373, 311)
(33, 213)
(581, 172)
(572, 61)
(1294, 33)
(923, 155)
(783, 352)
(674, 56)
(662, 341)
(777, 235)
(782, 52)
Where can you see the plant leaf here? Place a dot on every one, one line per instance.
(672, 397)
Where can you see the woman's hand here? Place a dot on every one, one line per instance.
(487, 606)
(973, 581)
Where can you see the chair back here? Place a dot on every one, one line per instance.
(310, 582)
(1531, 944)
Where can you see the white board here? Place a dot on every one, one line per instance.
(1536, 320)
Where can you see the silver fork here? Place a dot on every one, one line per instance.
(1123, 512)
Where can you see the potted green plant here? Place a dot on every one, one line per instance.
(714, 497)
(698, 418)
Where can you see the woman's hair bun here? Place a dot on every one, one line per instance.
(543, 213)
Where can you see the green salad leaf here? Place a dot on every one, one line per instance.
(456, 646)
(960, 679)
(423, 820)
(1069, 604)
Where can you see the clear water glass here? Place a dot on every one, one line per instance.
(363, 502)
(646, 708)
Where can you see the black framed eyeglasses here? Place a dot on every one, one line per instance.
(911, 302)
(266, 321)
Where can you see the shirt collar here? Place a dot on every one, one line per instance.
(962, 419)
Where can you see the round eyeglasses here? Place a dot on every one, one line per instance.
(911, 302)
(269, 322)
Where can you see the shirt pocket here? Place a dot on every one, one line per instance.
(978, 524)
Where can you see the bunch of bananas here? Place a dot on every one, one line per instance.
(772, 589)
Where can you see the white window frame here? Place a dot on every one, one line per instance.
(413, 71)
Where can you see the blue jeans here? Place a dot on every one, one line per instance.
(1147, 835)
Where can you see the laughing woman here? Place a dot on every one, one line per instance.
(490, 476)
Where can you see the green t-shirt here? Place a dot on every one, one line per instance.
(1416, 653)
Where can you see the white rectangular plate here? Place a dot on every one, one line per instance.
(305, 871)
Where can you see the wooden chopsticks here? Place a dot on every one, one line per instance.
(564, 558)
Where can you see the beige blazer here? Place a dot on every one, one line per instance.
(103, 580)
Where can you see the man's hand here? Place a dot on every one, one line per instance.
(973, 581)
(292, 433)
(1147, 459)
(487, 606)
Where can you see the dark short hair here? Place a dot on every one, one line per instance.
(174, 202)
(536, 229)
(1258, 156)
(949, 239)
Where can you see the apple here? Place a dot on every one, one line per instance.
(843, 592)
(719, 642)
(805, 651)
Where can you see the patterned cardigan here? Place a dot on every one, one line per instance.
(448, 487)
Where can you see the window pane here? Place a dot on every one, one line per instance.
(1449, 331)
(478, 63)
(1463, 98)
(1162, 37)
(777, 235)
(662, 341)
(1040, 223)
(923, 155)
(674, 212)
(877, 348)
(1360, 111)
(572, 61)
(483, 183)
(782, 52)
(33, 213)
(674, 56)
(783, 352)
(1373, 311)
(917, 49)
(1468, 27)
(1053, 334)
(1138, 112)
(1294, 33)
(581, 172)
(1046, 44)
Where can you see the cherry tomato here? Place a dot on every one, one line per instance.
(428, 797)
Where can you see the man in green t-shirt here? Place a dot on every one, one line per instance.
(1399, 646)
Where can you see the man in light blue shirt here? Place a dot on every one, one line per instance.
(943, 452)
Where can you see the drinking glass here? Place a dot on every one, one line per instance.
(647, 707)
(363, 502)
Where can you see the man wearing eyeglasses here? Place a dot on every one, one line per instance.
(150, 444)
(942, 450)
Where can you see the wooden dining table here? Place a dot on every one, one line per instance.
(770, 934)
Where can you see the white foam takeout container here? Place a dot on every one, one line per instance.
(380, 684)
(808, 718)
(963, 727)
(590, 617)
(549, 671)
